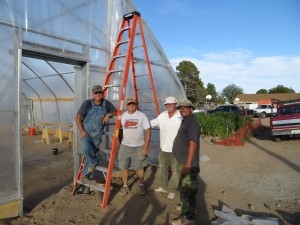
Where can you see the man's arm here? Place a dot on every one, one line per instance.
(81, 129)
(112, 112)
(191, 152)
(147, 141)
(154, 122)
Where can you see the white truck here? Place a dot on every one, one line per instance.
(264, 110)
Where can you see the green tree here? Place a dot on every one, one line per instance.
(231, 91)
(281, 89)
(189, 77)
(211, 90)
(262, 91)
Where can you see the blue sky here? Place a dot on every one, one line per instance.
(254, 44)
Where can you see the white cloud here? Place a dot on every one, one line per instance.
(250, 73)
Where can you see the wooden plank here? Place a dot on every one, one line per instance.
(51, 99)
(10, 209)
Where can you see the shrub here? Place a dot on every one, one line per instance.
(220, 124)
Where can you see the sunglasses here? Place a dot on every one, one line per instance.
(131, 103)
(98, 92)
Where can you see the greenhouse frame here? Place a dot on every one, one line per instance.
(52, 53)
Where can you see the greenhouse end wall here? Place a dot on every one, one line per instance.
(10, 186)
(49, 62)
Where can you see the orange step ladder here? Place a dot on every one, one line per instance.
(123, 64)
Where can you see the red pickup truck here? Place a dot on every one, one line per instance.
(287, 120)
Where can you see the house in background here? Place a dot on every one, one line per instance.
(250, 101)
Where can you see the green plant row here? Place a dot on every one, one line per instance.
(220, 124)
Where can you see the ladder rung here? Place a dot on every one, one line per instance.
(107, 151)
(90, 184)
(111, 85)
(119, 56)
(141, 89)
(115, 71)
(104, 169)
(145, 102)
(142, 75)
(109, 133)
(140, 61)
(125, 28)
(138, 46)
(122, 42)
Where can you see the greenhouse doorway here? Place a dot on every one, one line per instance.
(50, 88)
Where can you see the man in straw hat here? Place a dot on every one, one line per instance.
(186, 149)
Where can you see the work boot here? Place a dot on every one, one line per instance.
(88, 176)
(142, 189)
(91, 169)
(86, 190)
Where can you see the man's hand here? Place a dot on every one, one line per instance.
(186, 169)
(144, 152)
(106, 118)
(83, 133)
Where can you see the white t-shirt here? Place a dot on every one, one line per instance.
(134, 126)
(168, 129)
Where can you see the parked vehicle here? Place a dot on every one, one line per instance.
(264, 110)
(199, 110)
(287, 120)
(232, 108)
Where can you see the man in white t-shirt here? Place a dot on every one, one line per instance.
(169, 122)
(133, 151)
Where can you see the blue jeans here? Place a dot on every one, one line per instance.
(89, 151)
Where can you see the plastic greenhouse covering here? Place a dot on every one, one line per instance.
(52, 53)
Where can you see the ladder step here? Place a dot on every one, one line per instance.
(104, 169)
(119, 56)
(142, 75)
(138, 46)
(107, 151)
(109, 133)
(125, 28)
(92, 184)
(115, 71)
(140, 61)
(122, 42)
(142, 89)
(111, 85)
(145, 102)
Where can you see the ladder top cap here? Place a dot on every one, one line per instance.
(129, 16)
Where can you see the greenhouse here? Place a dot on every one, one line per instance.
(53, 52)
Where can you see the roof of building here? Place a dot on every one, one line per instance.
(257, 97)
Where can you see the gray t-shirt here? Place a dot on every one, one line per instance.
(134, 126)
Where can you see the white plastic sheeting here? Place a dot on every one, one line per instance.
(52, 53)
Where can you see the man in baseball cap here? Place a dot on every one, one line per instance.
(91, 118)
(97, 88)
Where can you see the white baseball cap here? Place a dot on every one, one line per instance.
(170, 100)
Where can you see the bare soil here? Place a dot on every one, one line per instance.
(261, 178)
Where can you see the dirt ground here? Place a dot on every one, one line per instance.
(261, 178)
